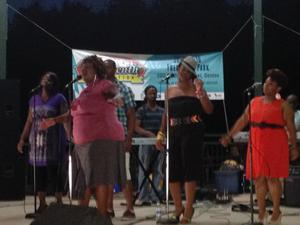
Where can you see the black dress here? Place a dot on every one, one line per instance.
(186, 138)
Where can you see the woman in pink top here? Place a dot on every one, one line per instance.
(98, 134)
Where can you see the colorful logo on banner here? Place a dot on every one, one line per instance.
(138, 71)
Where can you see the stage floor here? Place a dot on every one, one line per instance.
(206, 212)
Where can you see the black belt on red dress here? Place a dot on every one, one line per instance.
(266, 125)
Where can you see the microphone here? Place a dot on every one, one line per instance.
(167, 77)
(35, 88)
(253, 86)
(73, 81)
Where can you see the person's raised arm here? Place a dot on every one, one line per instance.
(288, 114)
(237, 127)
(25, 132)
(203, 97)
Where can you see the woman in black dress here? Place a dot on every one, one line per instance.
(187, 100)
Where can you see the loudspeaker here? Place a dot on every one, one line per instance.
(9, 98)
(12, 169)
(291, 191)
(12, 164)
(58, 214)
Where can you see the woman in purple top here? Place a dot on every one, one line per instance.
(98, 134)
(46, 147)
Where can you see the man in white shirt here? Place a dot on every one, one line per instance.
(293, 100)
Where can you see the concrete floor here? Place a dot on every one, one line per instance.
(206, 212)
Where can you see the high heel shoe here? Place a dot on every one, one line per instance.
(264, 220)
(187, 219)
(175, 218)
(277, 221)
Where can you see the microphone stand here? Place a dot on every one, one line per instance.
(251, 163)
(70, 174)
(34, 214)
(168, 220)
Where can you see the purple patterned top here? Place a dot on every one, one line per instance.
(49, 144)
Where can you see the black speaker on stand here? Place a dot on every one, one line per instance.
(292, 187)
(12, 164)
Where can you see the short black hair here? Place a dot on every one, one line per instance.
(112, 62)
(148, 87)
(53, 79)
(146, 90)
(278, 76)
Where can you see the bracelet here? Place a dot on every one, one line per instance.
(160, 136)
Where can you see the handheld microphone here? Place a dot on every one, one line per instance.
(253, 86)
(167, 77)
(35, 88)
(73, 81)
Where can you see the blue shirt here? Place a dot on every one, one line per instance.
(150, 119)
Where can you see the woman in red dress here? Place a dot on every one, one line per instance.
(271, 119)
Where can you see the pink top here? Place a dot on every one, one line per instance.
(94, 118)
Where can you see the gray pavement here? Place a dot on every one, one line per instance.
(206, 212)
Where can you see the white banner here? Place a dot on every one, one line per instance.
(138, 71)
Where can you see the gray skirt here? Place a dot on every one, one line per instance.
(101, 162)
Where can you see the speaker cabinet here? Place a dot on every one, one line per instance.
(292, 191)
(9, 98)
(12, 169)
(57, 214)
(12, 164)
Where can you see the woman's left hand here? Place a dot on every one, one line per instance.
(128, 144)
(46, 123)
(294, 154)
(118, 102)
(225, 140)
(200, 91)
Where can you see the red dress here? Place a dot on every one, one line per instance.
(269, 145)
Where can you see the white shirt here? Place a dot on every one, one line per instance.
(297, 120)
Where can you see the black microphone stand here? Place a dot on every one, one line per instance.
(34, 214)
(251, 162)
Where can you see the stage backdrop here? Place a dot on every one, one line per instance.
(138, 71)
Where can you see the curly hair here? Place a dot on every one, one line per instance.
(53, 82)
(96, 63)
(278, 76)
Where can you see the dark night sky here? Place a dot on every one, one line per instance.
(56, 3)
(95, 4)
(281, 46)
